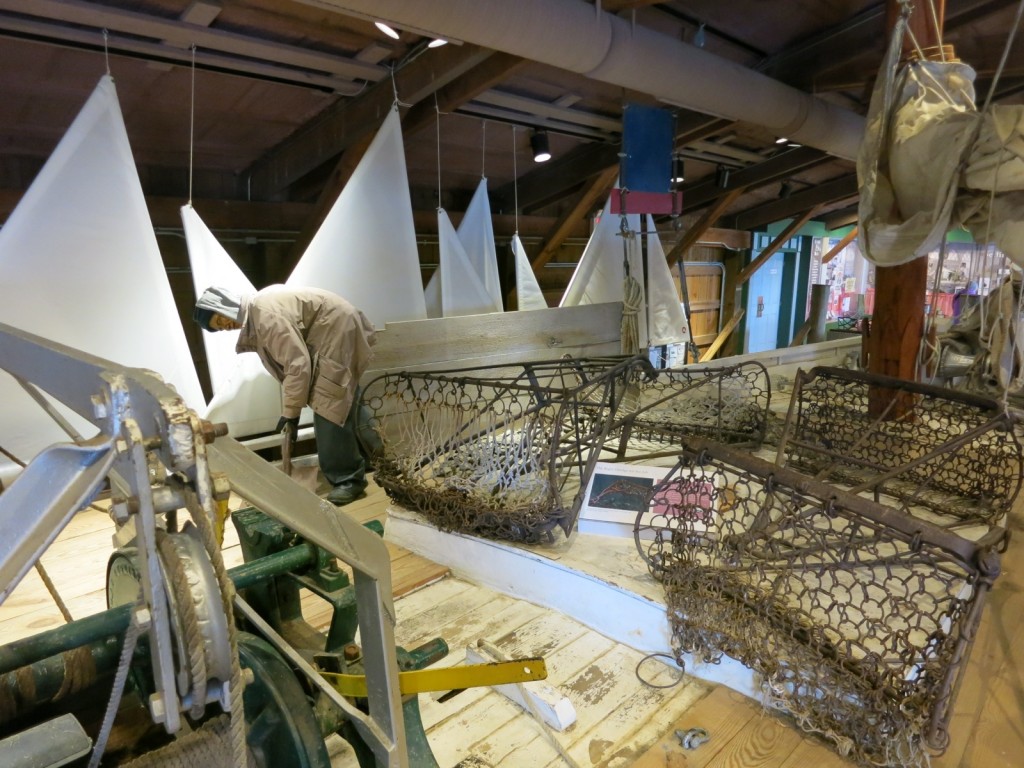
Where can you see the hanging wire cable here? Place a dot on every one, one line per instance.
(1006, 53)
(106, 50)
(938, 28)
(483, 150)
(437, 109)
(192, 127)
(515, 179)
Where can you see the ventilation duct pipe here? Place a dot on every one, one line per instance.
(579, 37)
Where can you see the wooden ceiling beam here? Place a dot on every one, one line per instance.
(493, 69)
(335, 129)
(556, 177)
(614, 6)
(827, 193)
(692, 236)
(780, 166)
(596, 189)
(783, 237)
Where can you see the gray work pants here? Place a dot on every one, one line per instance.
(343, 459)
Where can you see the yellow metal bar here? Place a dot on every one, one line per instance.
(448, 678)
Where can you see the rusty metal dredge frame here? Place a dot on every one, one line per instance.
(950, 453)
(857, 606)
(507, 452)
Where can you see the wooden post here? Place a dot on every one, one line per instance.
(897, 322)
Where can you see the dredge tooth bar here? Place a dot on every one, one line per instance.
(950, 453)
(858, 617)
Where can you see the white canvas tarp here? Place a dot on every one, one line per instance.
(79, 264)
(528, 292)
(245, 396)
(668, 323)
(476, 236)
(365, 250)
(930, 162)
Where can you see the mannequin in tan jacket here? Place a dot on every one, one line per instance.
(317, 345)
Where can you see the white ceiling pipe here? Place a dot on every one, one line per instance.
(577, 36)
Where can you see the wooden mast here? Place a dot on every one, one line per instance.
(897, 321)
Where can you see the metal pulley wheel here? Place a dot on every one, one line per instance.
(199, 626)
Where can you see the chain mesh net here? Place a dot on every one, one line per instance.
(661, 407)
(506, 453)
(946, 454)
(501, 453)
(857, 617)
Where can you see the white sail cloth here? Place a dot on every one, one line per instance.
(81, 237)
(667, 319)
(245, 396)
(528, 292)
(462, 292)
(930, 161)
(365, 250)
(472, 263)
(600, 275)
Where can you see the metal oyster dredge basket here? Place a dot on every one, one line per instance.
(950, 456)
(508, 452)
(496, 452)
(858, 618)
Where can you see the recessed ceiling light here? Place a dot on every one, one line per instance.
(781, 140)
(389, 31)
(437, 42)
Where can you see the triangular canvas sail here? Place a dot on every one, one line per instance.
(528, 292)
(79, 264)
(462, 292)
(245, 396)
(667, 322)
(598, 276)
(365, 250)
(476, 233)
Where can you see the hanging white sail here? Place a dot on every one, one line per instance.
(667, 320)
(476, 233)
(245, 396)
(462, 292)
(365, 250)
(79, 264)
(528, 292)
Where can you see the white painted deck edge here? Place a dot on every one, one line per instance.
(621, 615)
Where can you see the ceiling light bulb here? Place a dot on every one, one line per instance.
(437, 42)
(389, 31)
(781, 140)
(540, 147)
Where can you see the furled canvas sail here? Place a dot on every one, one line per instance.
(476, 234)
(365, 250)
(599, 276)
(528, 292)
(462, 291)
(668, 323)
(79, 264)
(245, 396)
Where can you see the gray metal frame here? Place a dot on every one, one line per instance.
(142, 419)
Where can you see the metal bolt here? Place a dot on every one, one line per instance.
(212, 431)
(692, 738)
(157, 707)
(352, 652)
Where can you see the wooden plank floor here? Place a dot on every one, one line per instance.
(621, 721)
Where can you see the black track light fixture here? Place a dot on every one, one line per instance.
(539, 145)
